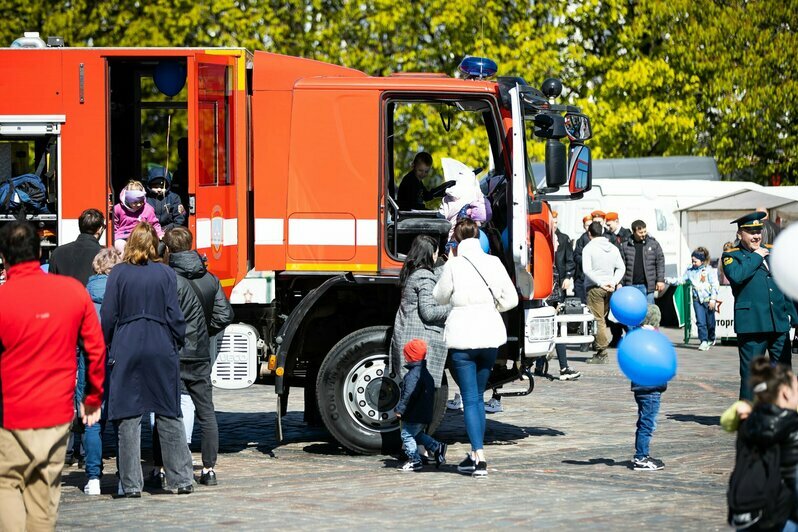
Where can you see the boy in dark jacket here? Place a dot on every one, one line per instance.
(415, 408)
(207, 312)
(168, 208)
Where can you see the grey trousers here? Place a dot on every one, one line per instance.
(176, 456)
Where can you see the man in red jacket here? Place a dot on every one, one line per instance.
(41, 318)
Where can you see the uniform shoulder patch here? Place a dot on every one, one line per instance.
(727, 261)
(768, 246)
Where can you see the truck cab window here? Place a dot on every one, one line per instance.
(420, 134)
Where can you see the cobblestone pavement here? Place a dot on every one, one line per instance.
(558, 458)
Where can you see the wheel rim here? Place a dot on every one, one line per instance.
(371, 393)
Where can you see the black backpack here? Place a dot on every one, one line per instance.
(758, 498)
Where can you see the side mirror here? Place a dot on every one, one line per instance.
(577, 127)
(580, 169)
(556, 175)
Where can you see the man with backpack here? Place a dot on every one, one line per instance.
(207, 311)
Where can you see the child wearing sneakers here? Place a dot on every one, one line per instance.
(415, 408)
(648, 400)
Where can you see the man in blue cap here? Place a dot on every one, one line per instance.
(762, 314)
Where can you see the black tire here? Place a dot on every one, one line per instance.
(356, 397)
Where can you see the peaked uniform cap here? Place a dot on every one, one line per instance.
(752, 220)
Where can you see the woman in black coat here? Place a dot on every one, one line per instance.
(144, 329)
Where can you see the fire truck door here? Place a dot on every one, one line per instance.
(213, 217)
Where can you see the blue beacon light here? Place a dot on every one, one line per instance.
(478, 67)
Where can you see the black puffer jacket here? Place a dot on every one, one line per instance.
(770, 425)
(653, 262)
(189, 265)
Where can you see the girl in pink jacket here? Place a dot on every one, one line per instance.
(132, 209)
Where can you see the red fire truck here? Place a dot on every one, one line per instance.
(286, 177)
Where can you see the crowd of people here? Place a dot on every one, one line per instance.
(119, 333)
(126, 331)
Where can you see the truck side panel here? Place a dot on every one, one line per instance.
(271, 118)
(333, 173)
(84, 141)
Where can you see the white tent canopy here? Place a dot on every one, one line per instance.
(784, 200)
(708, 222)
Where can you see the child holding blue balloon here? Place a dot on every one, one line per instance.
(648, 358)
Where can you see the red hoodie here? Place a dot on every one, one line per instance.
(41, 316)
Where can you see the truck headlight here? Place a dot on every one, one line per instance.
(541, 324)
(541, 329)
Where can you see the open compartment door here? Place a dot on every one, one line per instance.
(213, 154)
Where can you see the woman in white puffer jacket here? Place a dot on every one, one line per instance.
(478, 288)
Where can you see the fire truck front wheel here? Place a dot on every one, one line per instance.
(357, 394)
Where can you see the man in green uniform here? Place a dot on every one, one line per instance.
(762, 314)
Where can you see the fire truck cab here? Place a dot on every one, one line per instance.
(288, 168)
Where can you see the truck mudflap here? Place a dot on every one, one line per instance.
(540, 331)
(236, 357)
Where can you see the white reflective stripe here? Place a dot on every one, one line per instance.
(203, 236)
(68, 231)
(314, 232)
(321, 232)
(269, 231)
(367, 232)
(230, 237)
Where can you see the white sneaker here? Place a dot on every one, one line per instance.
(493, 406)
(93, 487)
(703, 346)
(456, 403)
(119, 489)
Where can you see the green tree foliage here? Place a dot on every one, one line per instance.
(682, 77)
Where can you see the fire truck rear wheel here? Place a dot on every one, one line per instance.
(357, 395)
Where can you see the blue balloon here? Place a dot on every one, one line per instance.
(506, 238)
(483, 241)
(170, 77)
(629, 306)
(647, 357)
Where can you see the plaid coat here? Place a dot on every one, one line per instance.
(419, 316)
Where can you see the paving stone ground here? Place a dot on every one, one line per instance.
(558, 459)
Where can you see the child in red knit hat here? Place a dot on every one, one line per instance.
(415, 408)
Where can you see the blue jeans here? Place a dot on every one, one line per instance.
(643, 288)
(413, 434)
(647, 410)
(705, 321)
(93, 447)
(472, 369)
